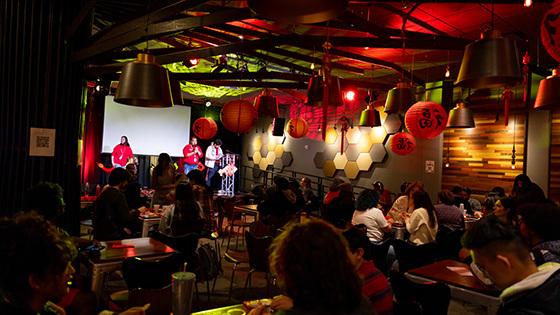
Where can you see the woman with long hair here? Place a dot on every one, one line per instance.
(185, 215)
(122, 153)
(504, 210)
(404, 205)
(163, 180)
(422, 223)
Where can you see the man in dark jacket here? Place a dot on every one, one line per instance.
(503, 258)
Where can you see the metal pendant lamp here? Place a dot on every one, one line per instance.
(491, 61)
(315, 91)
(144, 83)
(460, 117)
(548, 95)
(266, 104)
(399, 98)
(370, 117)
(297, 11)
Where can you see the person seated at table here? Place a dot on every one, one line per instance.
(296, 188)
(473, 202)
(185, 215)
(538, 225)
(525, 191)
(404, 203)
(461, 198)
(312, 264)
(163, 180)
(202, 193)
(112, 219)
(366, 213)
(279, 205)
(447, 213)
(374, 283)
(133, 188)
(504, 210)
(338, 204)
(385, 199)
(501, 255)
(311, 201)
(422, 223)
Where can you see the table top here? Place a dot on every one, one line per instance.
(227, 310)
(439, 272)
(249, 207)
(135, 247)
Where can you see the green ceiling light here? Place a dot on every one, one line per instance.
(548, 95)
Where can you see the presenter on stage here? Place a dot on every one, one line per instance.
(192, 154)
(212, 160)
(122, 154)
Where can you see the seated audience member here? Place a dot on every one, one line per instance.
(461, 198)
(375, 286)
(422, 223)
(366, 213)
(474, 203)
(503, 257)
(202, 193)
(295, 187)
(35, 267)
(185, 215)
(163, 180)
(338, 204)
(525, 191)
(447, 213)
(47, 199)
(499, 191)
(279, 205)
(318, 281)
(504, 210)
(112, 219)
(538, 225)
(132, 189)
(310, 199)
(404, 203)
(385, 199)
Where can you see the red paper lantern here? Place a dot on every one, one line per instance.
(426, 120)
(402, 143)
(550, 38)
(238, 116)
(205, 128)
(297, 127)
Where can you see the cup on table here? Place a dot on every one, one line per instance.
(156, 207)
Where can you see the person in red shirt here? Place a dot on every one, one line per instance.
(122, 154)
(192, 154)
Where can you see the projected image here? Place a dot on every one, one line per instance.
(150, 131)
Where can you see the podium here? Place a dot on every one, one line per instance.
(229, 161)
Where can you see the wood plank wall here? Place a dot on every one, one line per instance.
(554, 179)
(480, 158)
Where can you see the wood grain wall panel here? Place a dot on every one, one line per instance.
(480, 158)
(554, 174)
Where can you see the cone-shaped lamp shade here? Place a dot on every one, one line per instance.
(266, 104)
(548, 95)
(297, 11)
(460, 117)
(491, 61)
(315, 91)
(399, 99)
(335, 95)
(144, 83)
(370, 117)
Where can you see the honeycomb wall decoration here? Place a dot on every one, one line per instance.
(265, 151)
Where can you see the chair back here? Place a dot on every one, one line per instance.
(379, 254)
(159, 299)
(139, 273)
(412, 256)
(257, 248)
(449, 242)
(185, 244)
(431, 297)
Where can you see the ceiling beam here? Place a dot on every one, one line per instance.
(280, 62)
(315, 60)
(138, 35)
(78, 19)
(339, 41)
(409, 17)
(255, 84)
(202, 76)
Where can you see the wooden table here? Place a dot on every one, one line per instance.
(250, 210)
(110, 258)
(147, 223)
(465, 288)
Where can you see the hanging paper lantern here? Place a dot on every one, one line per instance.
(238, 116)
(426, 120)
(402, 143)
(205, 128)
(297, 127)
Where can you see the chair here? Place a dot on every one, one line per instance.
(449, 242)
(412, 256)
(427, 298)
(236, 219)
(159, 299)
(257, 249)
(184, 244)
(379, 254)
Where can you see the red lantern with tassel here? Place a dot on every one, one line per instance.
(238, 116)
(205, 128)
(297, 127)
(402, 143)
(266, 104)
(426, 120)
(507, 96)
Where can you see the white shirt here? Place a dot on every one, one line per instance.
(211, 156)
(374, 220)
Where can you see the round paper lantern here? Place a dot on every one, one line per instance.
(297, 127)
(205, 128)
(426, 120)
(402, 143)
(238, 116)
(550, 37)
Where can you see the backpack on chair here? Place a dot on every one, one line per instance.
(209, 267)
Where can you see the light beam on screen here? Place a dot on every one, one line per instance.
(150, 131)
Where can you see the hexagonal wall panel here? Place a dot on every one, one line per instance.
(263, 164)
(340, 161)
(257, 157)
(264, 150)
(377, 134)
(270, 157)
(353, 135)
(271, 146)
(287, 158)
(319, 159)
(392, 124)
(365, 142)
(352, 152)
(278, 163)
(351, 170)
(364, 161)
(256, 143)
(378, 153)
(329, 169)
(250, 152)
(257, 173)
(278, 150)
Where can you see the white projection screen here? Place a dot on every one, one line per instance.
(150, 131)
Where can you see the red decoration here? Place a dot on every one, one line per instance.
(550, 32)
(238, 116)
(426, 120)
(205, 128)
(403, 143)
(297, 127)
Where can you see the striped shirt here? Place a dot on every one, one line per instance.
(376, 288)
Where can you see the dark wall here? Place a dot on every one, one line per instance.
(40, 87)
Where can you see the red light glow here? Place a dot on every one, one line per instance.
(350, 95)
